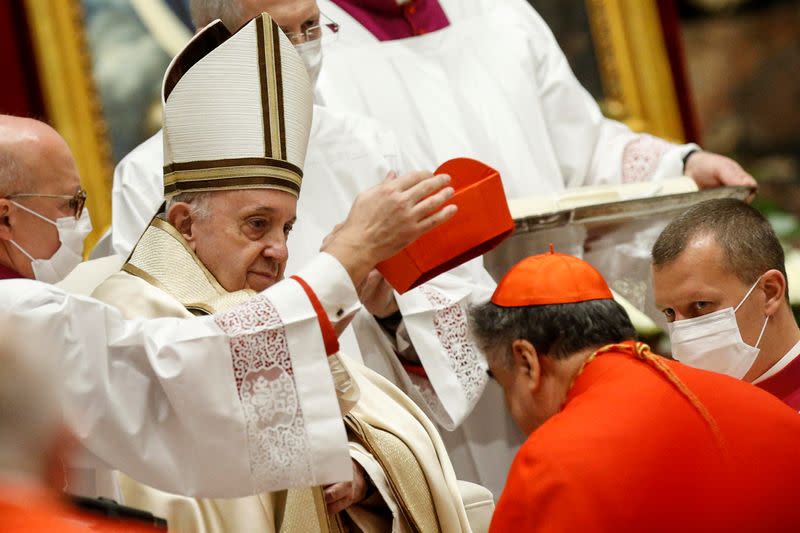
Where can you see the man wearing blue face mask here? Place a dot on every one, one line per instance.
(719, 278)
(42, 218)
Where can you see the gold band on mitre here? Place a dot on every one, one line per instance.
(229, 174)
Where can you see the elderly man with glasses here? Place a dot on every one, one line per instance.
(42, 218)
(417, 340)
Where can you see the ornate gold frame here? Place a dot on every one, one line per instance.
(634, 66)
(71, 101)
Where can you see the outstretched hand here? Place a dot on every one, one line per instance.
(712, 170)
(387, 218)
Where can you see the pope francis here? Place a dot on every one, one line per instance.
(237, 111)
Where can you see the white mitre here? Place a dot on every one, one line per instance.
(237, 111)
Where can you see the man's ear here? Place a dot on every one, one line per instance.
(526, 362)
(179, 216)
(5, 223)
(774, 285)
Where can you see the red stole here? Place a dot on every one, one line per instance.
(387, 20)
(785, 384)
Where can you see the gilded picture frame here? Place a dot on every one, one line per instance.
(70, 99)
(638, 88)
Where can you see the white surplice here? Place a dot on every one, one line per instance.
(493, 85)
(348, 154)
(160, 399)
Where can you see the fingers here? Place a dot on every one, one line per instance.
(370, 284)
(338, 496)
(736, 176)
(432, 203)
(439, 217)
(409, 180)
(427, 187)
(339, 506)
(747, 180)
(337, 491)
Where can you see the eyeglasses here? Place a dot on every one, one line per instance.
(76, 201)
(325, 28)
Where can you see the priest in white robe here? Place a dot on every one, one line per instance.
(223, 233)
(488, 80)
(346, 155)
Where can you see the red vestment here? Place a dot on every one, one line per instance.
(629, 452)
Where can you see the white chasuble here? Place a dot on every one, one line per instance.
(389, 435)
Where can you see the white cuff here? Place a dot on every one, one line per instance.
(332, 284)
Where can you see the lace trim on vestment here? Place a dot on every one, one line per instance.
(278, 443)
(641, 158)
(465, 360)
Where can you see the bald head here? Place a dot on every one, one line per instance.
(28, 150)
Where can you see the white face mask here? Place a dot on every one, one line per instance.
(311, 54)
(71, 234)
(713, 342)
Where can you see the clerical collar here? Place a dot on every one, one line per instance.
(388, 20)
(7, 273)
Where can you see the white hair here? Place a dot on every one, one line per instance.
(206, 11)
(198, 203)
(30, 418)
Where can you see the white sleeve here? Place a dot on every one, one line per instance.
(435, 323)
(592, 149)
(221, 406)
(137, 193)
